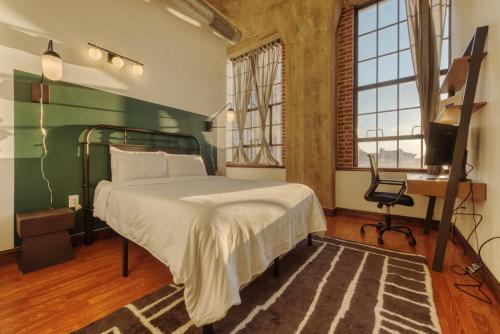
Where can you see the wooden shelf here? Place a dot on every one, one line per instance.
(477, 106)
(451, 113)
(457, 75)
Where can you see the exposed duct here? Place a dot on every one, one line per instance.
(220, 25)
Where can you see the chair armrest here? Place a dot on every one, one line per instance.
(393, 182)
(401, 191)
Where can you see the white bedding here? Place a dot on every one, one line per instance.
(214, 233)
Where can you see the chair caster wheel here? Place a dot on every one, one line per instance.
(362, 231)
(413, 242)
(380, 241)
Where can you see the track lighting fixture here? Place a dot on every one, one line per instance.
(117, 60)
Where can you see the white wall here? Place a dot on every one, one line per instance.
(185, 65)
(269, 174)
(484, 151)
(350, 186)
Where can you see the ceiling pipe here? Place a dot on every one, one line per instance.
(220, 25)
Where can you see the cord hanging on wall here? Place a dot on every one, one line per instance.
(95, 52)
(51, 69)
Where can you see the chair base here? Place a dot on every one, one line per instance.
(383, 227)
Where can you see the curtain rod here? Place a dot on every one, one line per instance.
(259, 49)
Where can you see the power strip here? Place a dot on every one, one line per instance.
(473, 268)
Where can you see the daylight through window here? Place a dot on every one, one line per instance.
(252, 131)
(387, 104)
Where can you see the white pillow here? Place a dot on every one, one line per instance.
(185, 165)
(129, 165)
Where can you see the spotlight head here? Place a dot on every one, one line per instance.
(230, 114)
(95, 53)
(116, 60)
(137, 69)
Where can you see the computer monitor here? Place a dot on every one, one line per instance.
(441, 144)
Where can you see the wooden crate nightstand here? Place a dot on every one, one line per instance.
(45, 238)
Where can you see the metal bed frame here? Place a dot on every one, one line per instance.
(174, 144)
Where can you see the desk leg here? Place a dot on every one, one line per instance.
(430, 213)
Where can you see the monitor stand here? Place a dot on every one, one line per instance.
(439, 176)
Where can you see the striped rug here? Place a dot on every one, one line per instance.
(335, 286)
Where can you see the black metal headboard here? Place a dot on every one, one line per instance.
(130, 139)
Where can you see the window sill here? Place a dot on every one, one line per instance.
(253, 166)
(394, 170)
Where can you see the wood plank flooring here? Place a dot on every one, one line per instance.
(68, 296)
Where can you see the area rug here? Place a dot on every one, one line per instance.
(334, 286)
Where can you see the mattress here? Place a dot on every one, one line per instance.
(214, 233)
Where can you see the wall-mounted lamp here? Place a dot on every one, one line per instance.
(51, 69)
(95, 52)
(51, 64)
(209, 123)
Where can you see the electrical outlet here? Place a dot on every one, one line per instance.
(73, 201)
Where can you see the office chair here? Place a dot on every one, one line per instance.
(388, 199)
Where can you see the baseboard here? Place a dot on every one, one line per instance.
(489, 279)
(329, 212)
(77, 239)
(9, 255)
(380, 216)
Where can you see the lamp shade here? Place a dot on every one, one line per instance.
(52, 64)
(137, 69)
(117, 61)
(230, 115)
(95, 53)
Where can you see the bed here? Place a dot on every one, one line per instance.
(214, 233)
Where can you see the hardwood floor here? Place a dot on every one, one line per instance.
(68, 296)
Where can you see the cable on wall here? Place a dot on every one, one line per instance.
(474, 267)
(44, 145)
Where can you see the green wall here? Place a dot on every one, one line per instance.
(73, 108)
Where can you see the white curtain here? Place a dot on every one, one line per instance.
(243, 84)
(426, 19)
(264, 62)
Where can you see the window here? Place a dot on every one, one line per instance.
(387, 106)
(252, 130)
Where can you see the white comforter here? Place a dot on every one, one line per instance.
(214, 233)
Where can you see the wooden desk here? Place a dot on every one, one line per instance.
(419, 184)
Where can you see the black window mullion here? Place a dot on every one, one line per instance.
(397, 94)
(376, 81)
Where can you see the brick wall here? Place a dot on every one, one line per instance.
(345, 89)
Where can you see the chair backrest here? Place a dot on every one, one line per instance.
(374, 167)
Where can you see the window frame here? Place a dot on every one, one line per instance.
(377, 85)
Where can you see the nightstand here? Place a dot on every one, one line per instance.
(45, 238)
